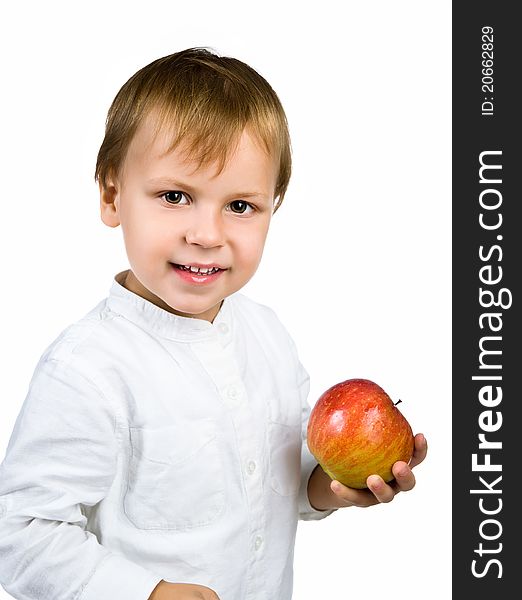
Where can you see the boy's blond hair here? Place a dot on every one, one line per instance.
(206, 101)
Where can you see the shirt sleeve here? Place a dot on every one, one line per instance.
(308, 463)
(61, 458)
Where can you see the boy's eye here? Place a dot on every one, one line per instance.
(240, 206)
(175, 197)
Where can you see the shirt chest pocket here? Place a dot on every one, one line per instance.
(284, 440)
(175, 478)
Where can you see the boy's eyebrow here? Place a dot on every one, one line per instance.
(168, 182)
(173, 183)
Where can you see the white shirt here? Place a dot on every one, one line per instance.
(152, 446)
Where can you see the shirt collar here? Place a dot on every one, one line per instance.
(164, 323)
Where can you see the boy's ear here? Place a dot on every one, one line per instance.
(109, 203)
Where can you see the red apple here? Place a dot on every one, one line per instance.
(355, 430)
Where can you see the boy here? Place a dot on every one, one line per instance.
(160, 452)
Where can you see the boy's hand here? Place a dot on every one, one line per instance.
(338, 495)
(182, 591)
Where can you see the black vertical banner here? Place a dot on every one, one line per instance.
(487, 298)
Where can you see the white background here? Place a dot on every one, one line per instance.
(357, 263)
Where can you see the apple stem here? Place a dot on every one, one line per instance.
(397, 402)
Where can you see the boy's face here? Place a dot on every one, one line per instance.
(176, 219)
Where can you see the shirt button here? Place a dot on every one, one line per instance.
(223, 328)
(258, 542)
(232, 392)
(251, 467)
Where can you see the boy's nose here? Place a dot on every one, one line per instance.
(205, 230)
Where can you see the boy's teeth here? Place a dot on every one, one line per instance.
(202, 270)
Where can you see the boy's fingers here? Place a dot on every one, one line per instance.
(378, 492)
(352, 497)
(404, 477)
(420, 450)
(383, 492)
